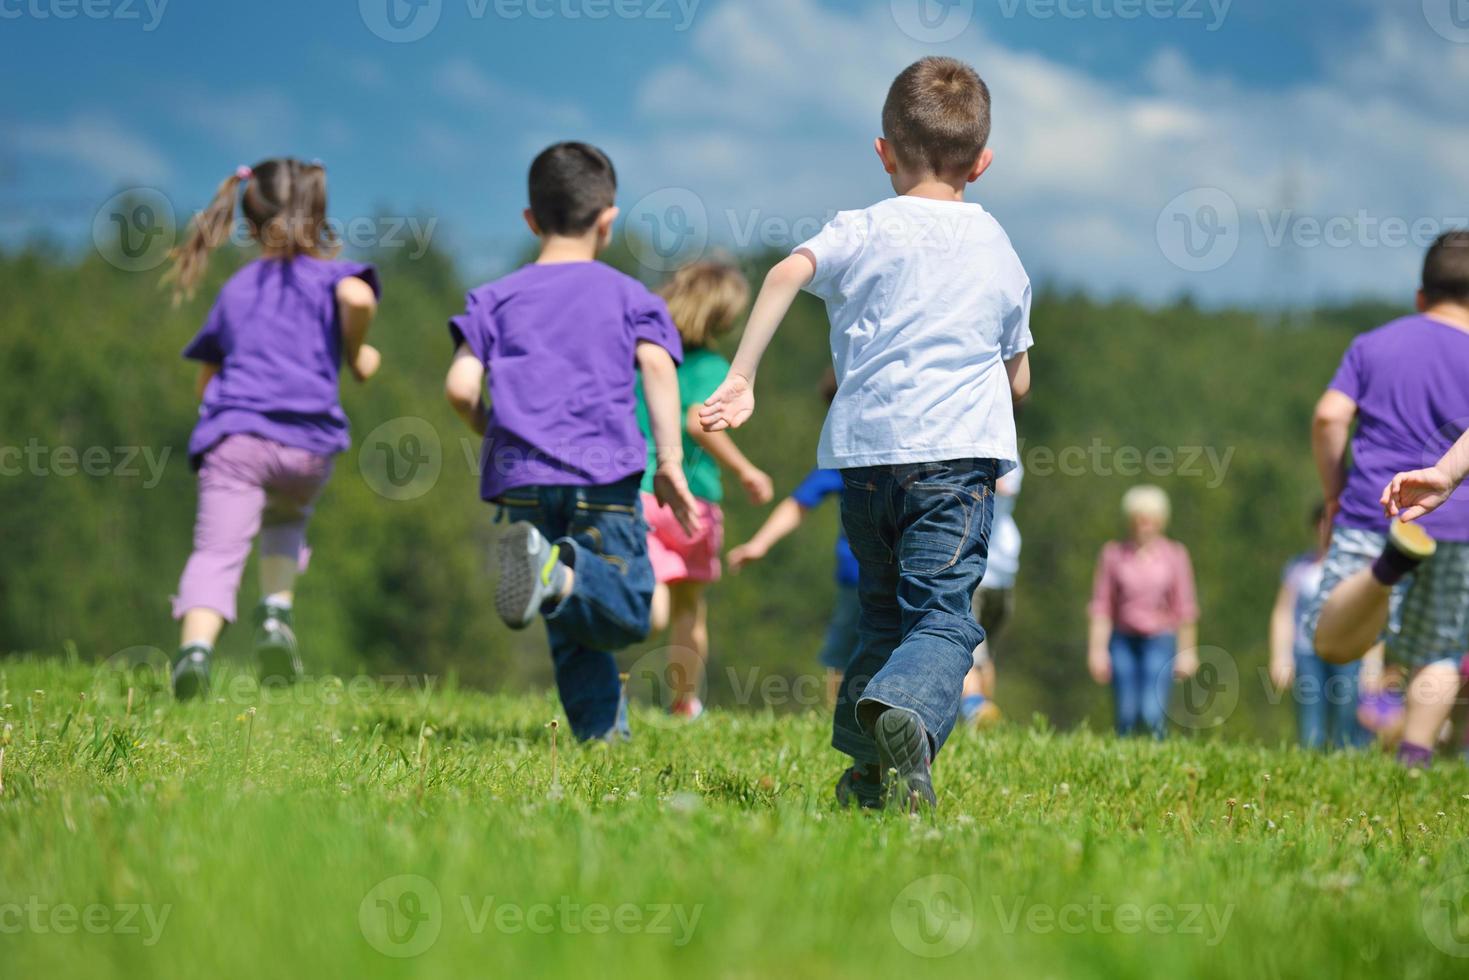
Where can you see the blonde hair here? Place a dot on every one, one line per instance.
(1147, 500)
(706, 299)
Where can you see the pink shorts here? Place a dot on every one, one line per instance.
(676, 557)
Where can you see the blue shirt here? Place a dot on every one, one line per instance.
(817, 486)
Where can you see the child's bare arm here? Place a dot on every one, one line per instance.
(719, 445)
(1330, 430)
(357, 304)
(786, 517)
(1018, 368)
(734, 401)
(207, 372)
(1413, 494)
(464, 387)
(660, 391)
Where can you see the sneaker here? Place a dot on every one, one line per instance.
(530, 574)
(191, 672)
(860, 786)
(1412, 541)
(276, 655)
(902, 745)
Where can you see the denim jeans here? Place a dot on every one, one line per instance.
(1326, 703)
(604, 538)
(1142, 681)
(920, 532)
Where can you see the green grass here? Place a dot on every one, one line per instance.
(710, 849)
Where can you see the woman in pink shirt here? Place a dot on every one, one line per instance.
(1144, 615)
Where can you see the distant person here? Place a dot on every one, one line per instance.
(562, 341)
(270, 420)
(1144, 616)
(1406, 387)
(1325, 694)
(994, 601)
(930, 349)
(706, 300)
(840, 642)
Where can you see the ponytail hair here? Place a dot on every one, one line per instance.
(284, 205)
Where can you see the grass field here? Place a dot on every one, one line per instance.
(374, 830)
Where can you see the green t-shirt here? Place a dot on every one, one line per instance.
(700, 373)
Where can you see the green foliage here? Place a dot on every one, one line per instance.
(89, 355)
(254, 836)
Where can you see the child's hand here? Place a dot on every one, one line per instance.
(758, 485)
(1186, 664)
(672, 491)
(369, 359)
(1411, 495)
(1099, 663)
(1282, 672)
(742, 555)
(732, 403)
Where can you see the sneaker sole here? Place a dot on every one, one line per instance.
(516, 593)
(901, 747)
(1412, 540)
(277, 665)
(190, 684)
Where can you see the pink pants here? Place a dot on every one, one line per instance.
(247, 486)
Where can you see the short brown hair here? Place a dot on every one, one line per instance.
(1446, 270)
(706, 300)
(937, 116)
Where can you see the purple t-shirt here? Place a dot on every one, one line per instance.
(1410, 380)
(276, 333)
(559, 343)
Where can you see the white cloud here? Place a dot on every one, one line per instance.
(99, 144)
(461, 80)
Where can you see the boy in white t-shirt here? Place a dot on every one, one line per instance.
(930, 324)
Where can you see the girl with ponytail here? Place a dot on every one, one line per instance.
(270, 419)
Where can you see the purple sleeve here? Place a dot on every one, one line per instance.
(474, 327)
(1348, 379)
(652, 322)
(361, 270)
(208, 343)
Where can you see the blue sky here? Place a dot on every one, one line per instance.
(1276, 150)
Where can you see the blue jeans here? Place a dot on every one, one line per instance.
(604, 538)
(1326, 703)
(920, 533)
(1142, 681)
(841, 632)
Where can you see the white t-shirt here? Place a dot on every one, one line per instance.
(927, 300)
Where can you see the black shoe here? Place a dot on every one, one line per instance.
(902, 745)
(191, 672)
(277, 657)
(861, 786)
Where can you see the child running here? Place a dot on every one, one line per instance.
(840, 642)
(269, 415)
(994, 602)
(705, 299)
(562, 341)
(1406, 385)
(930, 325)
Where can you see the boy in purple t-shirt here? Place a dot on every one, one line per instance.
(1407, 387)
(562, 341)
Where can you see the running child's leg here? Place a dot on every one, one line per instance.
(688, 652)
(1355, 610)
(1431, 697)
(840, 644)
(297, 480)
